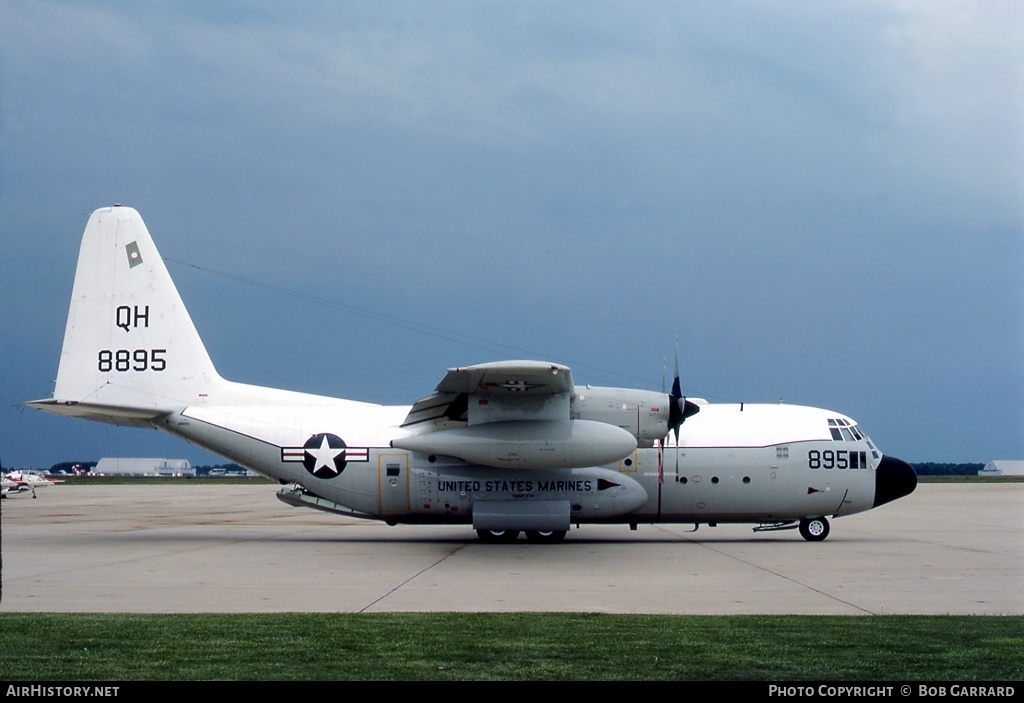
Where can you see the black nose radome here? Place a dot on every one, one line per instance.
(894, 479)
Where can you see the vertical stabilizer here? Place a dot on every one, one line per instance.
(130, 344)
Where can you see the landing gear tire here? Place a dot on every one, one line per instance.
(814, 529)
(545, 536)
(494, 536)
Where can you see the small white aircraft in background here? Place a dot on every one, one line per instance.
(506, 447)
(8, 487)
(19, 481)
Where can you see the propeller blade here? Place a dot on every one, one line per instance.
(679, 407)
(664, 363)
(676, 391)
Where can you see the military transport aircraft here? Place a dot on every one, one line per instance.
(506, 447)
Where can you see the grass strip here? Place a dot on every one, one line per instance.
(512, 646)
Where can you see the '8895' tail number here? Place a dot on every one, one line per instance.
(131, 360)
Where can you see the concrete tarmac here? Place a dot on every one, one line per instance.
(202, 547)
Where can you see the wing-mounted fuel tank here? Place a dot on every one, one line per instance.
(527, 444)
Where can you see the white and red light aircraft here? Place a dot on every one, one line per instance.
(21, 481)
(506, 447)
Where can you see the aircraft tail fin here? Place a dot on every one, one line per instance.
(131, 352)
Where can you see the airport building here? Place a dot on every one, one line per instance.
(1002, 467)
(121, 466)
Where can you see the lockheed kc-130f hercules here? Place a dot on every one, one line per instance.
(506, 447)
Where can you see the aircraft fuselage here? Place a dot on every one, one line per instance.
(734, 463)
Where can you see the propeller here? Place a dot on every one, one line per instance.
(679, 408)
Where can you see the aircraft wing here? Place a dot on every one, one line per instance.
(511, 414)
(509, 378)
(499, 391)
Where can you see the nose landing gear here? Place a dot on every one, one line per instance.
(814, 529)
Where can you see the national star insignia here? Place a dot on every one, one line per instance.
(324, 456)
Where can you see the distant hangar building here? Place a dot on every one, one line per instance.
(1001, 467)
(122, 466)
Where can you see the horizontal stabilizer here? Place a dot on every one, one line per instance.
(109, 414)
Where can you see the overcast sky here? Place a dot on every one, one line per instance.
(824, 201)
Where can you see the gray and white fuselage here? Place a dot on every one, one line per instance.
(505, 447)
(734, 463)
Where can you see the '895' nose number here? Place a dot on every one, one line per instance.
(836, 459)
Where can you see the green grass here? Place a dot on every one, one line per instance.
(507, 647)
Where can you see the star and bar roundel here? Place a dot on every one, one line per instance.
(325, 455)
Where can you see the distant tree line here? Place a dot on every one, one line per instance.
(929, 468)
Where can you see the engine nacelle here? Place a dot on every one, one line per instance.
(644, 414)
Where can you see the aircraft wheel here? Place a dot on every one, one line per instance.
(814, 529)
(497, 535)
(545, 536)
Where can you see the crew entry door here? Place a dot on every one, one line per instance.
(393, 483)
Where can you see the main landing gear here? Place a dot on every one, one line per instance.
(538, 536)
(495, 536)
(545, 536)
(814, 529)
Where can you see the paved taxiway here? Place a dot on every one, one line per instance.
(947, 549)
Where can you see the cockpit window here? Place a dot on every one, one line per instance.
(844, 430)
